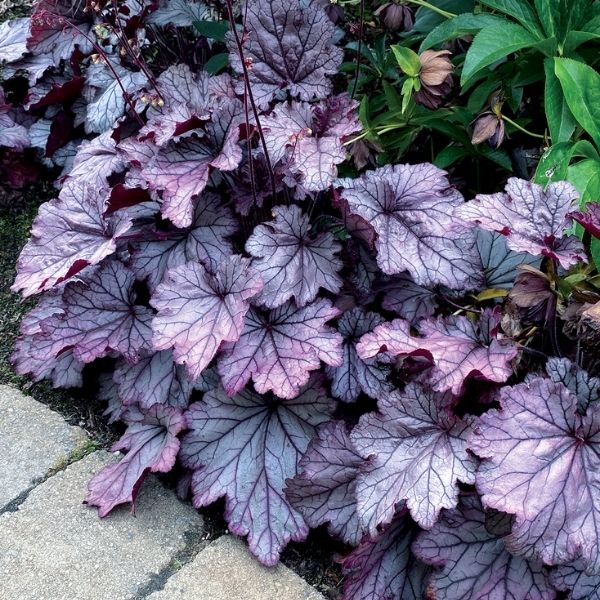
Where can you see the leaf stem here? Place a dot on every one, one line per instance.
(439, 11)
(517, 126)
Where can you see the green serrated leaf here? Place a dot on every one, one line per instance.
(595, 252)
(449, 156)
(520, 10)
(215, 30)
(561, 122)
(407, 59)
(217, 63)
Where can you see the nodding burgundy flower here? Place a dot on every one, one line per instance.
(395, 16)
(488, 127)
(436, 78)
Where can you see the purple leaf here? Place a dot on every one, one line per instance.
(576, 380)
(407, 298)
(204, 241)
(417, 452)
(179, 13)
(474, 564)
(459, 348)
(589, 219)
(198, 310)
(12, 135)
(383, 568)
(499, 264)
(541, 465)
(324, 491)
(13, 39)
(154, 379)
(309, 138)
(244, 448)
(411, 208)
(99, 316)
(356, 375)
(532, 218)
(68, 234)
(96, 160)
(293, 262)
(572, 578)
(151, 444)
(287, 46)
(278, 350)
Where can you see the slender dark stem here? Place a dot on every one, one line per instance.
(360, 42)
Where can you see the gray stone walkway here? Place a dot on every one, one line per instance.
(52, 547)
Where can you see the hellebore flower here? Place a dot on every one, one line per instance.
(488, 127)
(395, 16)
(435, 76)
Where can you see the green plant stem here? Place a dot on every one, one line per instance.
(439, 11)
(517, 126)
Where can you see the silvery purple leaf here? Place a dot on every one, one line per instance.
(278, 350)
(499, 264)
(411, 208)
(589, 218)
(473, 563)
(96, 160)
(33, 65)
(198, 310)
(154, 379)
(383, 568)
(532, 218)
(204, 241)
(458, 347)
(106, 94)
(309, 138)
(292, 261)
(12, 135)
(356, 375)
(324, 490)
(408, 299)
(13, 39)
(287, 46)
(572, 578)
(576, 380)
(151, 444)
(99, 316)
(541, 464)
(179, 13)
(68, 234)
(417, 453)
(244, 448)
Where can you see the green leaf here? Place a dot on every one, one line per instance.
(461, 25)
(448, 156)
(426, 19)
(581, 87)
(492, 44)
(595, 252)
(574, 39)
(554, 163)
(215, 30)
(393, 98)
(585, 176)
(560, 16)
(407, 59)
(520, 10)
(561, 122)
(217, 63)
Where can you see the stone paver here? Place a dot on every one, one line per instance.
(55, 548)
(33, 440)
(225, 570)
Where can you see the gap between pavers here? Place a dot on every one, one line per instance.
(54, 548)
(34, 441)
(225, 570)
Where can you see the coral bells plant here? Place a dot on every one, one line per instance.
(316, 345)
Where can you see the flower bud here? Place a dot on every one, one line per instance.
(488, 128)
(395, 17)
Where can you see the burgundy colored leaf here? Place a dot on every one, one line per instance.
(287, 46)
(278, 350)
(356, 375)
(152, 446)
(532, 218)
(324, 491)
(198, 310)
(244, 448)
(573, 578)
(293, 262)
(458, 347)
(309, 138)
(99, 316)
(541, 465)
(383, 568)
(417, 453)
(408, 299)
(154, 379)
(13, 39)
(473, 562)
(69, 233)
(411, 208)
(589, 219)
(206, 241)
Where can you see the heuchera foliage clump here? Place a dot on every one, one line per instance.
(304, 345)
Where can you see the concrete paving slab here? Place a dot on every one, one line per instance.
(33, 440)
(55, 548)
(225, 570)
